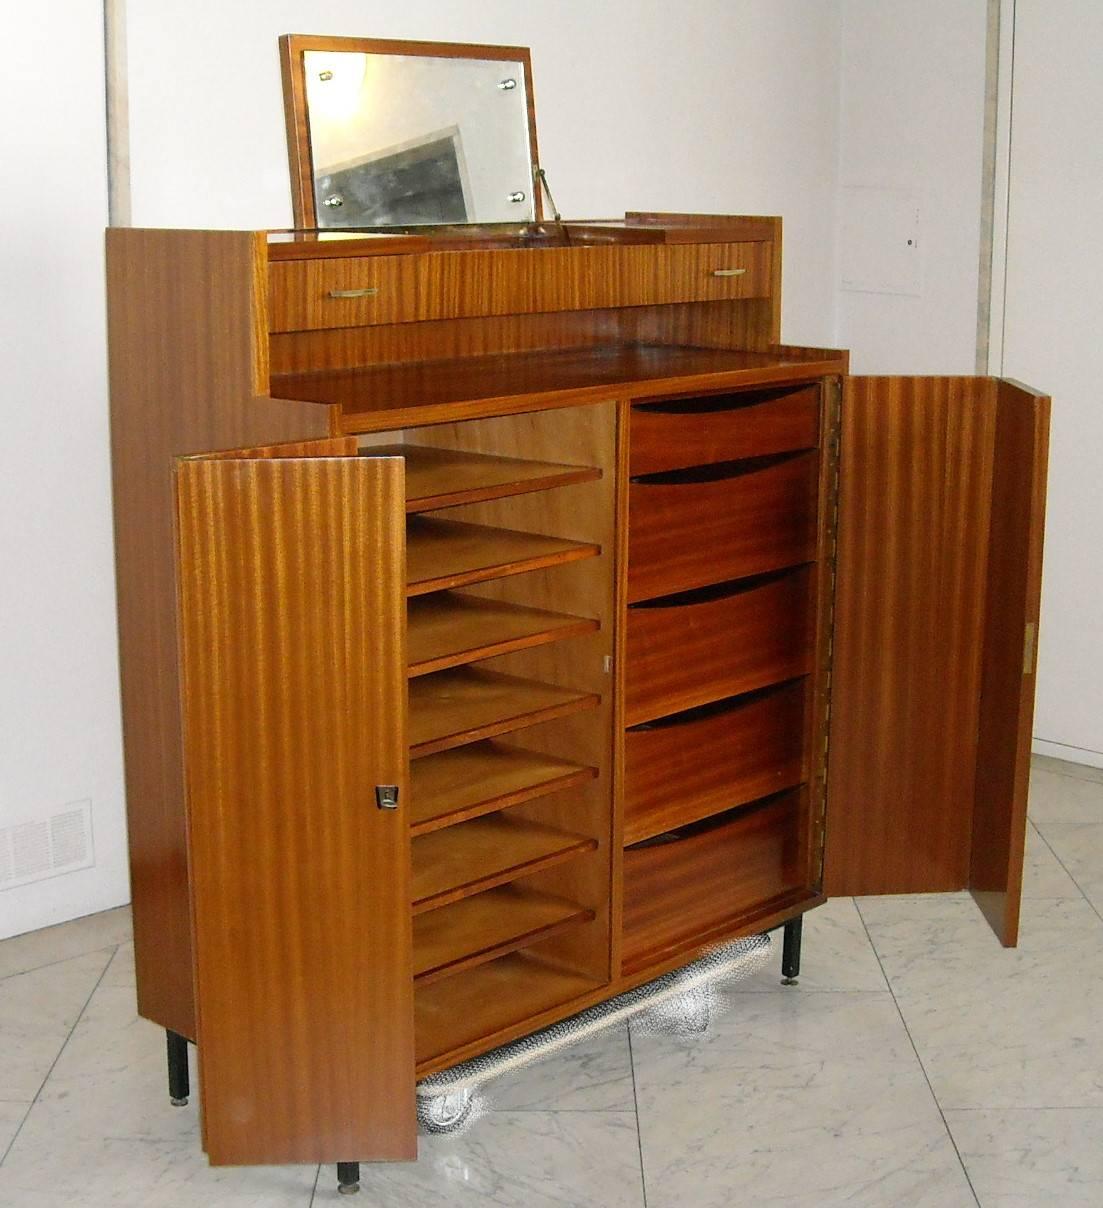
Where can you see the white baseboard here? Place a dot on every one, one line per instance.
(1060, 750)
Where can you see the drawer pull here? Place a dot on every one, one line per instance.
(367, 292)
(728, 272)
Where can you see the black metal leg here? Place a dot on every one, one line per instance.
(179, 1083)
(348, 1177)
(790, 951)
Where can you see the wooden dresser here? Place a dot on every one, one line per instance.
(508, 616)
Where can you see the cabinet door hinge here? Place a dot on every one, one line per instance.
(1030, 644)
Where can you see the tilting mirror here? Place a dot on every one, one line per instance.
(404, 134)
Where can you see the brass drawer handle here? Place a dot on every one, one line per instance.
(369, 292)
(728, 272)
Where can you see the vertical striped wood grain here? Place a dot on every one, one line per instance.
(1009, 656)
(915, 484)
(293, 636)
(187, 326)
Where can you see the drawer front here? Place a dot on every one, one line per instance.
(716, 643)
(359, 291)
(691, 528)
(676, 433)
(700, 763)
(688, 890)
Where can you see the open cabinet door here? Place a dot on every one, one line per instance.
(941, 509)
(292, 616)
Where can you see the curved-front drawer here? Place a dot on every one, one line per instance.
(690, 528)
(710, 877)
(360, 291)
(700, 763)
(688, 650)
(676, 433)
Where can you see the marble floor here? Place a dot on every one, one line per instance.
(917, 1065)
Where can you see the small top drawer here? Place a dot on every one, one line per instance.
(673, 434)
(360, 291)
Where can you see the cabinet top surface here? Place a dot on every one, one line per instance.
(382, 397)
(632, 229)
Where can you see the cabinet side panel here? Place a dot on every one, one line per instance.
(1007, 689)
(188, 358)
(915, 480)
(293, 642)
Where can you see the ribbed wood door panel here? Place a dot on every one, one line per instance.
(292, 616)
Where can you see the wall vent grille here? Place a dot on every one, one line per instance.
(47, 847)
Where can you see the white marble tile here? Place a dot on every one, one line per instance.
(593, 1075)
(515, 1160)
(48, 1167)
(37, 1012)
(835, 954)
(791, 1100)
(1065, 767)
(113, 1069)
(1079, 847)
(1057, 798)
(11, 1116)
(121, 970)
(998, 1027)
(37, 948)
(1043, 876)
(1032, 1159)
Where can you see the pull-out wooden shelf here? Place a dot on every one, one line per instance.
(442, 478)
(447, 629)
(488, 925)
(463, 860)
(481, 778)
(462, 1010)
(450, 553)
(451, 708)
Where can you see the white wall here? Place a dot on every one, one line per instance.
(59, 705)
(1052, 339)
(912, 122)
(716, 106)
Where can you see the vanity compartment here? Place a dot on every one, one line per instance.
(525, 280)
(690, 528)
(715, 642)
(694, 764)
(675, 433)
(690, 886)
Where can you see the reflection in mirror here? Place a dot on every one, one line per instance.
(403, 139)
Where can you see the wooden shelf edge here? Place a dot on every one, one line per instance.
(762, 916)
(798, 903)
(503, 570)
(569, 914)
(448, 742)
(548, 627)
(505, 491)
(574, 845)
(568, 780)
(760, 793)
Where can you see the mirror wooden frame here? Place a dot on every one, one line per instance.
(300, 158)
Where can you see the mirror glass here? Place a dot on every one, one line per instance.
(406, 140)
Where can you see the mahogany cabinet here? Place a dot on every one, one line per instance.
(507, 616)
